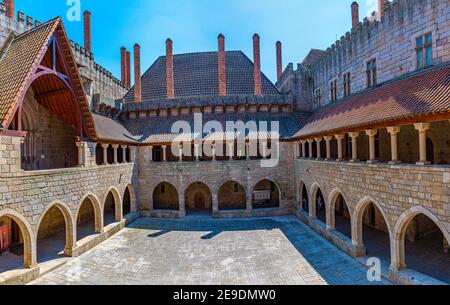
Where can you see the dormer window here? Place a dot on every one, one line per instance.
(424, 51)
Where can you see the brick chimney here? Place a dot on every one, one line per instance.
(169, 70)
(355, 14)
(222, 66)
(87, 31)
(279, 60)
(128, 68)
(9, 8)
(257, 65)
(123, 64)
(137, 73)
(381, 4)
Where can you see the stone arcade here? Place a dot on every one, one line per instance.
(364, 141)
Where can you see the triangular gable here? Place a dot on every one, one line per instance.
(28, 61)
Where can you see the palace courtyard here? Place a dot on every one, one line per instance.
(201, 250)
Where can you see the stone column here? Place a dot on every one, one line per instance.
(196, 153)
(124, 153)
(422, 129)
(213, 150)
(249, 200)
(328, 141)
(215, 203)
(372, 133)
(340, 138)
(180, 152)
(303, 149)
(297, 150)
(394, 130)
(319, 148)
(115, 152)
(151, 154)
(310, 143)
(230, 150)
(80, 147)
(105, 153)
(132, 153)
(164, 147)
(354, 136)
(247, 151)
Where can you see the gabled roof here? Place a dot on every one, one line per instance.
(424, 94)
(20, 63)
(196, 75)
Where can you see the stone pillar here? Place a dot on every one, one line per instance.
(151, 154)
(124, 153)
(81, 161)
(247, 151)
(180, 152)
(340, 138)
(230, 150)
(115, 149)
(132, 153)
(310, 143)
(354, 136)
(105, 153)
(319, 148)
(297, 150)
(196, 152)
(422, 129)
(215, 203)
(182, 202)
(303, 149)
(164, 147)
(372, 133)
(394, 130)
(249, 200)
(328, 141)
(264, 149)
(213, 150)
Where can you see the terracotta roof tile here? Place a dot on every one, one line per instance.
(18, 62)
(423, 94)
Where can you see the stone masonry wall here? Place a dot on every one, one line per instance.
(214, 175)
(30, 194)
(390, 41)
(396, 188)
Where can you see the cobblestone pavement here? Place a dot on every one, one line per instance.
(278, 250)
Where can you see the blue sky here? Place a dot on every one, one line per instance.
(194, 25)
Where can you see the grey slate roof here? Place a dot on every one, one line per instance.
(158, 129)
(196, 75)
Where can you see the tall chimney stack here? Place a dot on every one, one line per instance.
(381, 4)
(169, 69)
(257, 65)
(355, 14)
(87, 31)
(222, 66)
(9, 8)
(137, 73)
(123, 64)
(128, 68)
(279, 60)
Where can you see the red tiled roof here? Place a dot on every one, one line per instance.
(423, 94)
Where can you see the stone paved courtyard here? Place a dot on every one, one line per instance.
(199, 250)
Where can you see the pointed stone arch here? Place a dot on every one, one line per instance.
(70, 228)
(398, 236)
(331, 205)
(118, 215)
(98, 215)
(129, 195)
